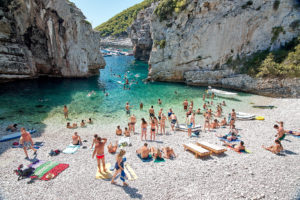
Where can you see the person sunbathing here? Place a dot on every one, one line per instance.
(118, 131)
(280, 132)
(293, 133)
(90, 121)
(111, 148)
(76, 139)
(236, 147)
(82, 124)
(12, 127)
(169, 153)
(156, 153)
(215, 124)
(223, 122)
(143, 151)
(126, 132)
(274, 148)
(69, 125)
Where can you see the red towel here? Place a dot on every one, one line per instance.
(56, 170)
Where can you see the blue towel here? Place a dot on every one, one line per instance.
(149, 159)
(236, 140)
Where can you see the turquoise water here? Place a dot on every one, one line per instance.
(40, 101)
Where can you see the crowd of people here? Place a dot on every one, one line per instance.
(158, 125)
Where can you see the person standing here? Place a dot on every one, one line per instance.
(163, 124)
(26, 142)
(141, 106)
(119, 166)
(99, 151)
(132, 120)
(151, 112)
(66, 112)
(185, 104)
(144, 129)
(127, 108)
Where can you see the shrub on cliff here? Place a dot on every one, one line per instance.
(117, 25)
(166, 8)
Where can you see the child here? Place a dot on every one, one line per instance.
(120, 168)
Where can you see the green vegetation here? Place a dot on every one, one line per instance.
(161, 43)
(276, 4)
(284, 62)
(117, 26)
(247, 4)
(276, 31)
(166, 8)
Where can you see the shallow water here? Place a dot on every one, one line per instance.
(32, 102)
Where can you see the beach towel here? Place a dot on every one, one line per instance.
(130, 174)
(71, 149)
(36, 164)
(243, 151)
(54, 172)
(44, 168)
(158, 160)
(149, 159)
(103, 175)
(236, 140)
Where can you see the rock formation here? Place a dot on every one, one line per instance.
(195, 44)
(140, 34)
(46, 37)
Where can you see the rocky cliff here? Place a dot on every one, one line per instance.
(196, 44)
(140, 33)
(46, 37)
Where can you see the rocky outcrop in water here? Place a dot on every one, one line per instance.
(46, 37)
(140, 33)
(195, 44)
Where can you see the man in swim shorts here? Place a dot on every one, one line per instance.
(151, 112)
(66, 112)
(76, 140)
(132, 121)
(143, 151)
(173, 120)
(26, 142)
(99, 151)
(127, 108)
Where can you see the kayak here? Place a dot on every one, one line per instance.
(220, 92)
(264, 107)
(244, 116)
(183, 127)
(14, 135)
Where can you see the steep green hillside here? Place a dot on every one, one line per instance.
(117, 26)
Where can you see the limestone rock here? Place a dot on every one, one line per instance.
(46, 37)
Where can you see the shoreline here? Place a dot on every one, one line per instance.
(259, 175)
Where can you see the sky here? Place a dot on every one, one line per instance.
(99, 11)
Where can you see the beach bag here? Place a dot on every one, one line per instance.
(24, 173)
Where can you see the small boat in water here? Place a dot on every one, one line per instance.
(220, 92)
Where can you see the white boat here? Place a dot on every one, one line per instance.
(220, 92)
(244, 116)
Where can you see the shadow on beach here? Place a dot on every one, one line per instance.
(131, 191)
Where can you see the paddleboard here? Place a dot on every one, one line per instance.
(14, 135)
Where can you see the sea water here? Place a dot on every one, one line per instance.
(35, 102)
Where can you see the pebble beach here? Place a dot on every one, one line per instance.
(256, 175)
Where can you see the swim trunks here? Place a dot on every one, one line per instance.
(26, 144)
(100, 156)
(159, 117)
(151, 114)
(128, 112)
(185, 107)
(190, 125)
(153, 129)
(173, 121)
(169, 114)
(281, 138)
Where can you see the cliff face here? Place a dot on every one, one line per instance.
(46, 37)
(195, 45)
(140, 33)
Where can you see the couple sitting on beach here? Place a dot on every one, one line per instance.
(144, 152)
(119, 131)
(82, 124)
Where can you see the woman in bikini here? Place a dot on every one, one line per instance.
(206, 121)
(144, 129)
(152, 132)
(163, 124)
(118, 131)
